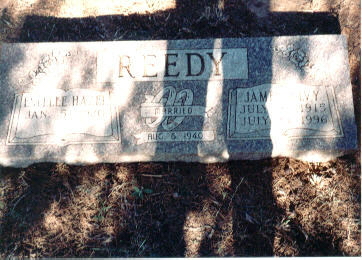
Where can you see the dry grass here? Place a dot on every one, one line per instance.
(272, 207)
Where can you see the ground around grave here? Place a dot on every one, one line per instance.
(271, 207)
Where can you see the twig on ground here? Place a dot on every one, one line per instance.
(17, 202)
(153, 175)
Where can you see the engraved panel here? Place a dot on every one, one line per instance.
(63, 117)
(297, 111)
(167, 110)
(163, 65)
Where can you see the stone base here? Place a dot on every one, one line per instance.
(191, 100)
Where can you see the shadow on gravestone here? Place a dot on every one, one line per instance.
(90, 29)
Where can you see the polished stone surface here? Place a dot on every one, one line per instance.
(190, 100)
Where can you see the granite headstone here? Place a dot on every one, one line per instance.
(189, 100)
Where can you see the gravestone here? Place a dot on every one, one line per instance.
(190, 100)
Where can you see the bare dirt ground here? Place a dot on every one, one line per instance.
(279, 206)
